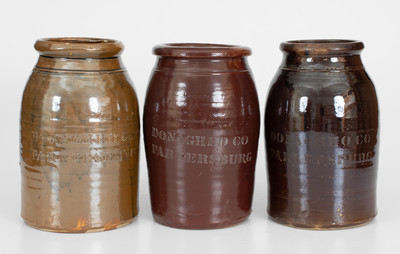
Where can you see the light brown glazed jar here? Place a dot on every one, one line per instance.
(201, 129)
(321, 130)
(79, 138)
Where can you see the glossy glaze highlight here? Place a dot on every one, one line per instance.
(79, 138)
(201, 128)
(321, 131)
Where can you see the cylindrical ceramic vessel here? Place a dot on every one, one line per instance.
(79, 138)
(321, 131)
(201, 129)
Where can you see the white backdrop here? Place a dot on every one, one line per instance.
(261, 25)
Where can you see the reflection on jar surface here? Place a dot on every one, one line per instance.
(201, 129)
(321, 132)
(79, 138)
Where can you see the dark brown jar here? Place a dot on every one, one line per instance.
(79, 138)
(201, 129)
(321, 130)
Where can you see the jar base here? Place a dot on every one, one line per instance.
(322, 227)
(221, 225)
(90, 230)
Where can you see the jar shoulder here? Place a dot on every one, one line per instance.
(65, 95)
(202, 95)
(321, 81)
(322, 101)
(322, 87)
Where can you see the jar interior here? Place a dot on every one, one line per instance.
(321, 41)
(80, 40)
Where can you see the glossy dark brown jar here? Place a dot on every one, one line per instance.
(321, 130)
(79, 138)
(201, 129)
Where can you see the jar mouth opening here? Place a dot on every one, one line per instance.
(79, 40)
(79, 47)
(322, 41)
(322, 46)
(200, 50)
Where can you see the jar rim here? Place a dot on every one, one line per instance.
(79, 47)
(200, 50)
(322, 46)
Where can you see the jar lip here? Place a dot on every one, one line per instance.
(200, 50)
(79, 47)
(322, 46)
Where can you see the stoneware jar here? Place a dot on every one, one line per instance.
(79, 138)
(321, 131)
(201, 129)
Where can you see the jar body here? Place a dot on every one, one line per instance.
(79, 146)
(322, 144)
(201, 129)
